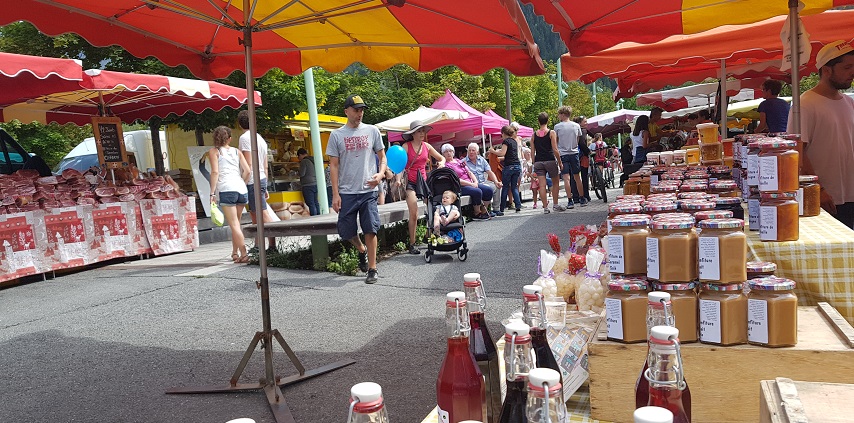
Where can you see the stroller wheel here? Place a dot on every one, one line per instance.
(428, 256)
(463, 254)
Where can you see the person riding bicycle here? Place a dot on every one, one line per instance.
(600, 150)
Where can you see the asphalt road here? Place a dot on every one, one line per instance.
(103, 345)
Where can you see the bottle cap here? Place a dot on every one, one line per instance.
(519, 328)
(532, 289)
(650, 414)
(455, 296)
(471, 280)
(366, 392)
(656, 297)
(540, 375)
(664, 333)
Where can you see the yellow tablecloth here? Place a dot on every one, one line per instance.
(821, 261)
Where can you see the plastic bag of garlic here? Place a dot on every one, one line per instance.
(590, 295)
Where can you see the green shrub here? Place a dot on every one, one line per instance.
(346, 263)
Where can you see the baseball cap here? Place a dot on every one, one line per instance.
(355, 102)
(832, 51)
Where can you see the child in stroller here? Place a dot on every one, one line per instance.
(446, 212)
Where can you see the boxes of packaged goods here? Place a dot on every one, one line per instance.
(718, 374)
(784, 400)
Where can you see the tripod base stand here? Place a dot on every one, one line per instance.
(271, 384)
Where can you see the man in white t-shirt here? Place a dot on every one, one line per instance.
(245, 146)
(827, 130)
(568, 133)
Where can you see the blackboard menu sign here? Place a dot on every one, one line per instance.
(110, 141)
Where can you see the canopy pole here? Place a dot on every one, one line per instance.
(483, 139)
(507, 95)
(794, 43)
(316, 148)
(723, 101)
(559, 80)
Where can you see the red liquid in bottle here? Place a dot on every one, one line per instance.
(459, 388)
(642, 392)
(515, 401)
(671, 399)
(545, 357)
(485, 354)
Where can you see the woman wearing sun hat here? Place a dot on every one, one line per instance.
(418, 153)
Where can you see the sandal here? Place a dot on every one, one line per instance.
(235, 257)
(243, 259)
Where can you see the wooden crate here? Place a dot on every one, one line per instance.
(805, 401)
(724, 380)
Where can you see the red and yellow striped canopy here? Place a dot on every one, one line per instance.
(206, 35)
(587, 27)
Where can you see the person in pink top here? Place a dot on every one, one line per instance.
(418, 153)
(468, 183)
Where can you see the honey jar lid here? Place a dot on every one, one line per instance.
(660, 206)
(808, 178)
(727, 201)
(672, 176)
(695, 195)
(688, 286)
(723, 184)
(697, 175)
(775, 195)
(630, 220)
(693, 187)
(675, 223)
(786, 136)
(720, 169)
(664, 188)
(753, 144)
(625, 284)
(634, 197)
(625, 207)
(712, 214)
(671, 216)
(772, 283)
(669, 196)
(772, 143)
(761, 266)
(697, 205)
(722, 224)
(722, 287)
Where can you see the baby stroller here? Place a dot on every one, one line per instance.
(439, 181)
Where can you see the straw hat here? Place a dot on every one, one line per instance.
(413, 127)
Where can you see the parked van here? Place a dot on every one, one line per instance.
(138, 146)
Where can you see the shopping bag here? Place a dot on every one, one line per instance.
(216, 215)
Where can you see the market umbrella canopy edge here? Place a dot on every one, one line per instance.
(295, 36)
(22, 76)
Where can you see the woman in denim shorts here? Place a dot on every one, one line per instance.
(229, 173)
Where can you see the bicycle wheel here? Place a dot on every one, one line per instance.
(599, 184)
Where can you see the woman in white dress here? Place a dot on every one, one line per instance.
(229, 173)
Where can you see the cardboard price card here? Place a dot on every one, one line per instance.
(569, 345)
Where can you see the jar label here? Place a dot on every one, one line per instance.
(653, 180)
(616, 260)
(609, 225)
(757, 321)
(753, 214)
(768, 180)
(767, 223)
(710, 321)
(753, 169)
(743, 150)
(614, 317)
(800, 197)
(710, 258)
(652, 258)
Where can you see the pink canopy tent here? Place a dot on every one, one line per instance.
(491, 123)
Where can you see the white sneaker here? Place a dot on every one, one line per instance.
(559, 208)
(546, 210)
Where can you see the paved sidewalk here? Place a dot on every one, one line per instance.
(103, 345)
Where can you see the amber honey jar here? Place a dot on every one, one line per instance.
(722, 251)
(772, 313)
(722, 314)
(778, 166)
(625, 310)
(778, 217)
(809, 196)
(683, 300)
(627, 244)
(760, 269)
(671, 250)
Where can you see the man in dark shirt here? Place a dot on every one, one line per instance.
(774, 111)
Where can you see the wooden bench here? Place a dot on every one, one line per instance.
(319, 226)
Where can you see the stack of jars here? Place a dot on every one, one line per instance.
(711, 149)
(778, 187)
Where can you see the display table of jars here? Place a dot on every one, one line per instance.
(821, 261)
(724, 380)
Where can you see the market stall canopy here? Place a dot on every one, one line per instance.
(677, 55)
(23, 76)
(492, 123)
(426, 115)
(588, 27)
(475, 35)
(128, 96)
(701, 94)
(617, 116)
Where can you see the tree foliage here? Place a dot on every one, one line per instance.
(50, 142)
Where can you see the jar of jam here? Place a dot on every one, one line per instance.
(643, 186)
(760, 269)
(631, 186)
(688, 186)
(723, 314)
(622, 207)
(720, 172)
(778, 166)
(671, 250)
(724, 188)
(627, 244)
(728, 146)
(711, 214)
(772, 313)
(664, 187)
(625, 311)
(683, 300)
(655, 176)
(711, 151)
(694, 206)
(722, 251)
(753, 209)
(656, 208)
(732, 205)
(753, 163)
(633, 198)
(809, 196)
(680, 157)
(712, 162)
(778, 217)
(653, 158)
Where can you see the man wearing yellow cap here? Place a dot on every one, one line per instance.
(827, 129)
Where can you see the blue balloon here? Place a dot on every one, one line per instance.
(396, 158)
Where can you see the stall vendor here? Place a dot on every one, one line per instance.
(773, 111)
(827, 130)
